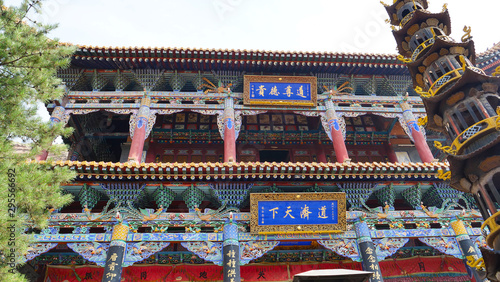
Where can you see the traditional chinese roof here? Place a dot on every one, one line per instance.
(253, 170)
(490, 59)
(404, 34)
(393, 9)
(419, 66)
(199, 59)
(188, 59)
(433, 104)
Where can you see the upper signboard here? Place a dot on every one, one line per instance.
(280, 90)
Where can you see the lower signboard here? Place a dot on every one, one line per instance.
(297, 212)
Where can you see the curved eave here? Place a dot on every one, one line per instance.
(251, 171)
(490, 52)
(433, 104)
(431, 110)
(392, 10)
(490, 68)
(463, 166)
(489, 60)
(457, 174)
(439, 44)
(419, 17)
(469, 77)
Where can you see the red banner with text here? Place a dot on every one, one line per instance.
(443, 268)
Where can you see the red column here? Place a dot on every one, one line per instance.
(57, 116)
(423, 149)
(139, 132)
(229, 131)
(43, 156)
(390, 153)
(336, 133)
(418, 137)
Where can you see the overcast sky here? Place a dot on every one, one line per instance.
(313, 25)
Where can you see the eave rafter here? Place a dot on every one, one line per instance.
(253, 170)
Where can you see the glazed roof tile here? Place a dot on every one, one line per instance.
(193, 59)
(490, 59)
(252, 170)
(199, 59)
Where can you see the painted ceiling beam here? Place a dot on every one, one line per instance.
(214, 171)
(218, 237)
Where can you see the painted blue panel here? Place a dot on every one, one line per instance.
(298, 212)
(280, 91)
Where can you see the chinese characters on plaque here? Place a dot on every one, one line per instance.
(369, 255)
(232, 265)
(298, 212)
(302, 212)
(280, 90)
(112, 271)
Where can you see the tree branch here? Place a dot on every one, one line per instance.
(30, 6)
(20, 58)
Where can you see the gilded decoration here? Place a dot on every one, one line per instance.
(37, 249)
(135, 252)
(447, 245)
(343, 247)
(386, 247)
(255, 249)
(297, 208)
(209, 251)
(271, 95)
(212, 251)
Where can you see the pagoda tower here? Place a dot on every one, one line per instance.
(461, 101)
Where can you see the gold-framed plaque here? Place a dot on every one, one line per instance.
(274, 213)
(280, 90)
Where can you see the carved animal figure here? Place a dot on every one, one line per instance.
(210, 214)
(336, 91)
(147, 216)
(216, 89)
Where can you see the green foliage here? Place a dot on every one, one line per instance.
(28, 64)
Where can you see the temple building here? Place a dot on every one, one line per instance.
(174, 147)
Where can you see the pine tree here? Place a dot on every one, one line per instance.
(29, 190)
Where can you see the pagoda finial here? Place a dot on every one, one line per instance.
(445, 7)
(466, 37)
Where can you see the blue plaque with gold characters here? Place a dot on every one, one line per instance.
(280, 90)
(297, 212)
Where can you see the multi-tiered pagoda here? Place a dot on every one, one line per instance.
(461, 101)
(169, 144)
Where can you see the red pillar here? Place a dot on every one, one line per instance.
(137, 145)
(58, 114)
(423, 149)
(416, 133)
(139, 132)
(43, 156)
(229, 131)
(390, 153)
(336, 133)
